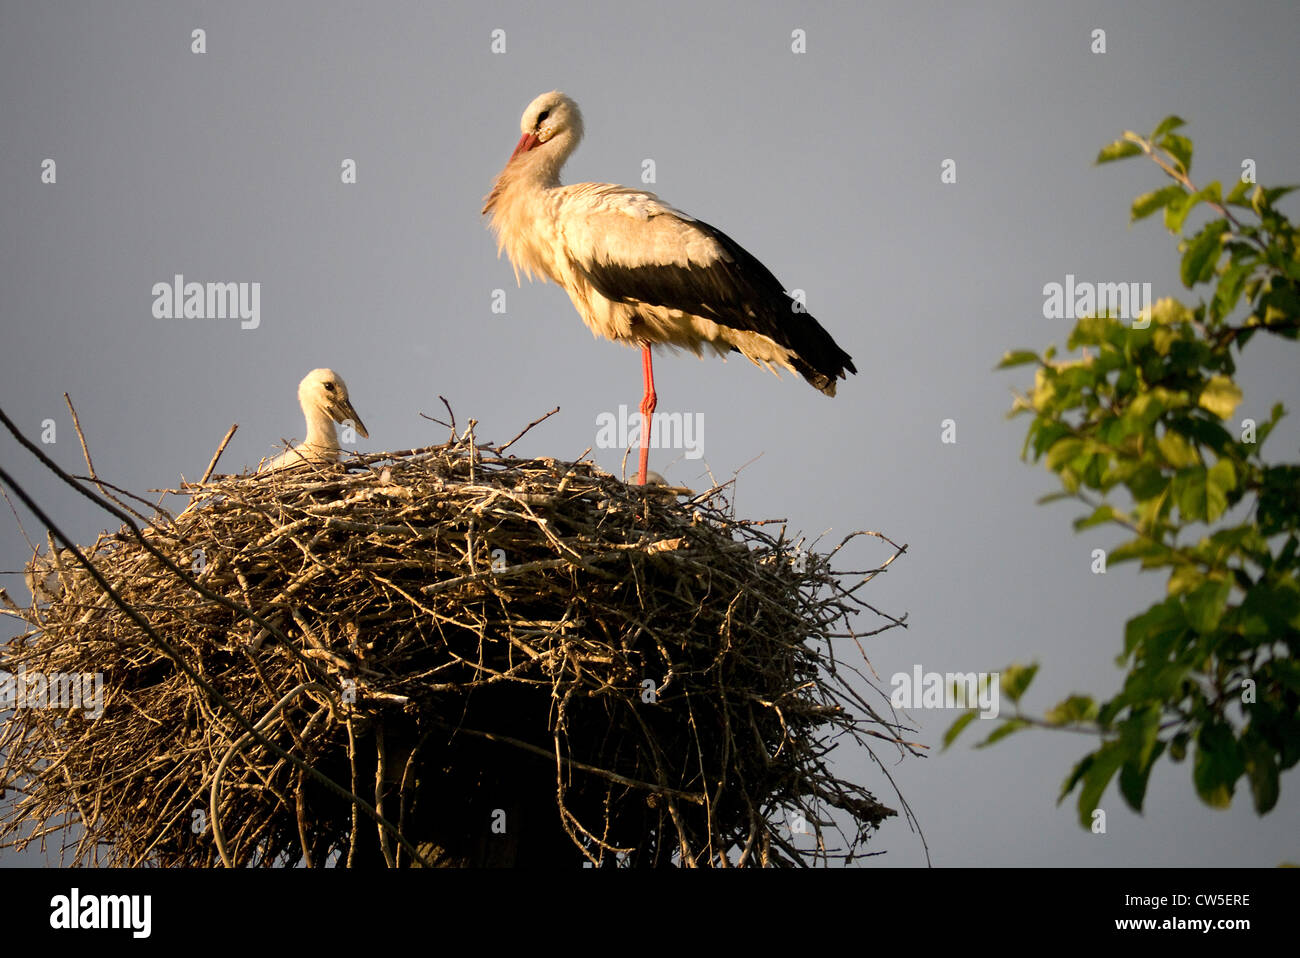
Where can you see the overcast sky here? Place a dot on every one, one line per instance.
(226, 166)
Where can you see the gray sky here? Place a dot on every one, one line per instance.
(225, 166)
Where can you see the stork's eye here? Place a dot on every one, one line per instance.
(329, 387)
(541, 117)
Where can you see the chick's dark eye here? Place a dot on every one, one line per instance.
(541, 117)
(329, 387)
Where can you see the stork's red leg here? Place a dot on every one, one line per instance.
(648, 404)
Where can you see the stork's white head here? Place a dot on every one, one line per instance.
(323, 391)
(551, 116)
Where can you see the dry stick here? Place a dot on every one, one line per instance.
(214, 795)
(217, 455)
(300, 810)
(17, 519)
(469, 527)
(352, 761)
(184, 666)
(450, 425)
(76, 423)
(524, 431)
(402, 791)
(85, 452)
(174, 655)
(581, 766)
(381, 765)
(126, 520)
(585, 489)
(105, 484)
(176, 570)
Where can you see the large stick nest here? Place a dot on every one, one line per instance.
(509, 661)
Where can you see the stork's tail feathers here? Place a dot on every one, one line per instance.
(816, 356)
(825, 381)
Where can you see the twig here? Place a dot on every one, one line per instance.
(217, 455)
(525, 430)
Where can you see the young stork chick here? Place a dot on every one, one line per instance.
(324, 399)
(639, 271)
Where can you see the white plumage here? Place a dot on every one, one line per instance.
(324, 399)
(641, 272)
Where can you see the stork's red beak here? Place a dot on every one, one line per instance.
(526, 142)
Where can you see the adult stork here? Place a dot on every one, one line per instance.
(324, 399)
(641, 272)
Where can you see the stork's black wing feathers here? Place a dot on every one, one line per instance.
(734, 290)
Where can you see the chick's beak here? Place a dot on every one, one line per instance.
(343, 413)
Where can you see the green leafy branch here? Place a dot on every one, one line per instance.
(1137, 430)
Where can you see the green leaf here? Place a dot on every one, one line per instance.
(1206, 432)
(1174, 213)
(1117, 151)
(1102, 514)
(1164, 621)
(1169, 123)
(1138, 733)
(1223, 476)
(1175, 217)
(1133, 778)
(1178, 746)
(1002, 731)
(1220, 396)
(1088, 331)
(1276, 605)
(1106, 762)
(1202, 253)
(1146, 409)
(1180, 147)
(1063, 451)
(1015, 679)
(1045, 435)
(1206, 603)
(1199, 498)
(1053, 497)
(1261, 769)
(1237, 197)
(1138, 739)
(1278, 509)
(956, 727)
(1218, 764)
(1177, 451)
(1148, 203)
(1273, 194)
(1184, 579)
(1210, 192)
(1139, 548)
(1230, 285)
(1147, 482)
(1076, 774)
(1018, 357)
(1076, 708)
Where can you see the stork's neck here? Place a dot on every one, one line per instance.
(320, 429)
(528, 175)
(540, 167)
(521, 214)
